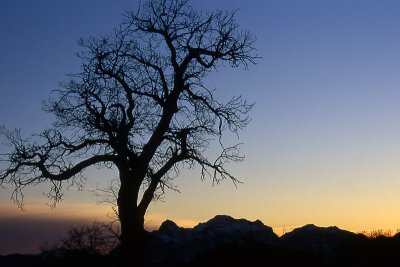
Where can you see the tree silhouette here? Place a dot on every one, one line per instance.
(95, 238)
(140, 106)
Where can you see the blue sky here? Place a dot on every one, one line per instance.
(323, 146)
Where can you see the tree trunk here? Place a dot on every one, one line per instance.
(133, 244)
(133, 235)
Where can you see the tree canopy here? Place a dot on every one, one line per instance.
(140, 105)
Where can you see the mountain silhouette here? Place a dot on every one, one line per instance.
(226, 241)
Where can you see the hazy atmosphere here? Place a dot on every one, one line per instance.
(323, 146)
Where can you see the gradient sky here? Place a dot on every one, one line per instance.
(323, 146)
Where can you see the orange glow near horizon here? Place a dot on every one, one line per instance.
(283, 211)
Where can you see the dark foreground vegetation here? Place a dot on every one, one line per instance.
(224, 241)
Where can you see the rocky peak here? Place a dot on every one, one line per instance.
(317, 239)
(227, 223)
(311, 229)
(168, 227)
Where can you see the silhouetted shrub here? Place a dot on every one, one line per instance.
(95, 238)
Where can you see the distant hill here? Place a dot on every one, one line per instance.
(225, 241)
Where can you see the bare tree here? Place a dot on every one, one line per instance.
(96, 238)
(140, 106)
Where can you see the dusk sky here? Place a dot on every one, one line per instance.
(323, 146)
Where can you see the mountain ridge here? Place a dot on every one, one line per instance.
(226, 241)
